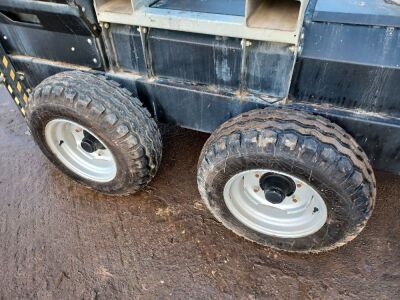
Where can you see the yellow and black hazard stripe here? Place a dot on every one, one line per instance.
(14, 85)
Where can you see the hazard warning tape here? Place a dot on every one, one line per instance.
(13, 83)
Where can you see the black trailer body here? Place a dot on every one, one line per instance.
(342, 61)
(348, 67)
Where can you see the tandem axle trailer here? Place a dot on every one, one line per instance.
(301, 98)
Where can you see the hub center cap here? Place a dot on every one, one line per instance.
(275, 203)
(88, 145)
(277, 187)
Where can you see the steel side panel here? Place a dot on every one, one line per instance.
(183, 106)
(207, 60)
(366, 45)
(349, 66)
(269, 68)
(68, 48)
(61, 33)
(200, 59)
(343, 85)
(204, 110)
(128, 48)
(370, 12)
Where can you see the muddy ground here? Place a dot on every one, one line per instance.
(59, 240)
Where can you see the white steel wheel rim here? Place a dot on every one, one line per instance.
(299, 215)
(64, 138)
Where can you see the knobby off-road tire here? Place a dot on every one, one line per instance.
(308, 147)
(111, 114)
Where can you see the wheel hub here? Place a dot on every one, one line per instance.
(80, 150)
(277, 187)
(90, 144)
(275, 203)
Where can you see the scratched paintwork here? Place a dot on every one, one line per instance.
(355, 67)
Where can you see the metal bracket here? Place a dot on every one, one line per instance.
(144, 36)
(13, 82)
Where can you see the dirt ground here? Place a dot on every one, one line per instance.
(59, 240)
